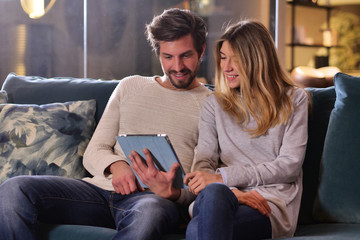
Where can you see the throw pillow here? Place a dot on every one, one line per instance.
(40, 90)
(45, 139)
(3, 96)
(339, 189)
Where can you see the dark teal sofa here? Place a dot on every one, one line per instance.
(330, 207)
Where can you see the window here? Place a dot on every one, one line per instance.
(53, 45)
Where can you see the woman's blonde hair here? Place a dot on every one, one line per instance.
(265, 90)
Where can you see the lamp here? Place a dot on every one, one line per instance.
(36, 8)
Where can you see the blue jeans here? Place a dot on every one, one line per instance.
(218, 215)
(27, 200)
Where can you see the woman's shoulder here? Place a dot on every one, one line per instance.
(300, 94)
(210, 100)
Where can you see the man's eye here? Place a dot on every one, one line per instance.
(167, 57)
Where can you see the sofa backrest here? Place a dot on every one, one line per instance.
(39, 90)
(323, 100)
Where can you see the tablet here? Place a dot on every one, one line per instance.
(159, 145)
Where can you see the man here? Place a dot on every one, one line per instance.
(113, 197)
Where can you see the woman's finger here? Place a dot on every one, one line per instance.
(263, 202)
(188, 177)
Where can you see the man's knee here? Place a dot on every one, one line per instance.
(11, 193)
(12, 185)
(155, 215)
(156, 207)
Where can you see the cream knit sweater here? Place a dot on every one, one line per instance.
(141, 105)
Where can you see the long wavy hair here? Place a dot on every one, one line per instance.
(266, 90)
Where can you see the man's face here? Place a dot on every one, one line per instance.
(180, 61)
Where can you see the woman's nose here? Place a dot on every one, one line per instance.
(227, 66)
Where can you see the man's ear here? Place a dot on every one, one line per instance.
(203, 51)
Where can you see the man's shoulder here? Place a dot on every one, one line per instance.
(135, 82)
(203, 90)
(133, 79)
(200, 93)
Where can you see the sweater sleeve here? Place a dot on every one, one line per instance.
(207, 150)
(100, 151)
(286, 167)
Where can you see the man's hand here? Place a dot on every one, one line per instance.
(198, 180)
(123, 178)
(253, 199)
(159, 182)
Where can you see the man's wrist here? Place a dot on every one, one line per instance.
(175, 195)
(112, 166)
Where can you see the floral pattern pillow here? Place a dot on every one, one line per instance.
(45, 139)
(3, 96)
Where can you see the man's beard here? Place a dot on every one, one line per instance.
(183, 84)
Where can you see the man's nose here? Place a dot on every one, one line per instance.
(178, 64)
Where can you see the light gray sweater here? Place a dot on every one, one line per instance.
(141, 105)
(270, 164)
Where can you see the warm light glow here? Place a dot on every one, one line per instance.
(20, 49)
(36, 8)
(205, 2)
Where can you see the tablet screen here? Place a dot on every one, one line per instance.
(164, 155)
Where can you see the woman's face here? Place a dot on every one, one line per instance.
(229, 65)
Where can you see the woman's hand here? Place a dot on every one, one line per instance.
(253, 199)
(198, 180)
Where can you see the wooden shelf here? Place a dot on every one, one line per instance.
(312, 5)
(293, 44)
(310, 45)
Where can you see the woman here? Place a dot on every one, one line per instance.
(252, 141)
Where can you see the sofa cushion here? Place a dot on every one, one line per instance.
(45, 139)
(323, 100)
(339, 190)
(327, 231)
(39, 90)
(3, 96)
(79, 232)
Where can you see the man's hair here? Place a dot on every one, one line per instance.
(173, 24)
